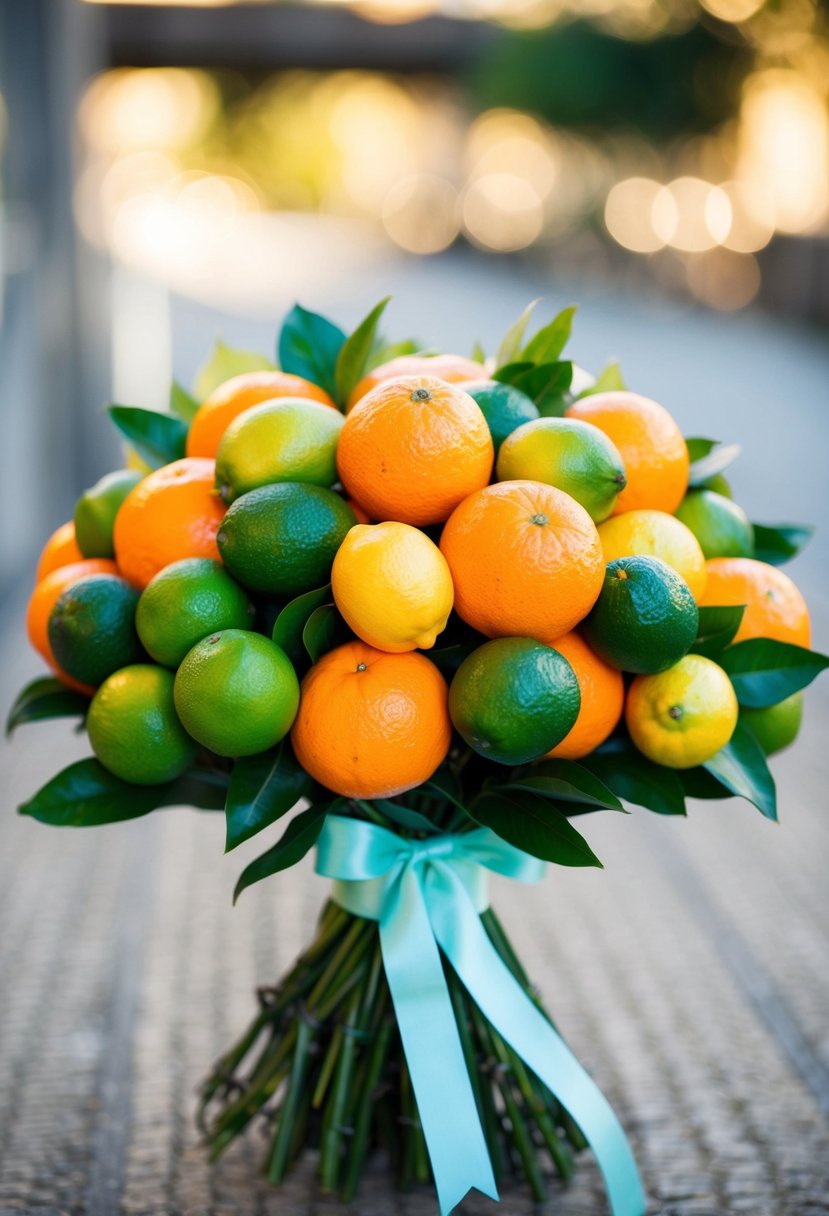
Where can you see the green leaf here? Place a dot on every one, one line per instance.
(262, 789)
(86, 795)
(511, 342)
(717, 629)
(741, 767)
(534, 825)
(697, 783)
(404, 816)
(224, 363)
(765, 671)
(478, 354)
(778, 543)
(384, 352)
(309, 346)
(181, 403)
(718, 457)
(546, 384)
(157, 438)
(566, 781)
(550, 341)
(609, 380)
(45, 698)
(289, 625)
(352, 361)
(324, 630)
(634, 779)
(299, 838)
(698, 446)
(449, 658)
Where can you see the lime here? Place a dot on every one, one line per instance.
(721, 527)
(645, 618)
(504, 407)
(96, 509)
(237, 693)
(289, 439)
(514, 699)
(185, 602)
(281, 540)
(92, 628)
(776, 726)
(134, 729)
(719, 483)
(683, 716)
(571, 455)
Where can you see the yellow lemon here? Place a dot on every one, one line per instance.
(683, 716)
(392, 586)
(656, 534)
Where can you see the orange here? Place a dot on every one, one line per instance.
(361, 516)
(239, 393)
(61, 549)
(602, 698)
(525, 558)
(372, 724)
(173, 513)
(774, 606)
(451, 368)
(651, 445)
(45, 596)
(413, 449)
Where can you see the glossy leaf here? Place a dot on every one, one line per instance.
(309, 346)
(765, 671)
(547, 385)
(566, 781)
(299, 838)
(742, 768)
(779, 543)
(182, 403)
(511, 373)
(550, 341)
(699, 783)
(608, 380)
(510, 345)
(45, 698)
(698, 446)
(289, 625)
(718, 458)
(262, 789)
(352, 361)
(384, 352)
(324, 630)
(404, 816)
(634, 779)
(717, 628)
(478, 354)
(157, 438)
(226, 362)
(533, 824)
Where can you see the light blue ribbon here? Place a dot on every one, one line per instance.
(429, 893)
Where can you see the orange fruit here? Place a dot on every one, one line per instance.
(774, 606)
(361, 516)
(43, 599)
(226, 402)
(61, 549)
(451, 368)
(372, 724)
(525, 558)
(602, 698)
(413, 449)
(173, 513)
(650, 443)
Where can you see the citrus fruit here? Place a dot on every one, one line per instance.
(45, 596)
(413, 449)
(645, 618)
(573, 456)
(372, 724)
(92, 628)
(504, 406)
(525, 559)
(513, 699)
(61, 549)
(774, 606)
(721, 527)
(452, 369)
(776, 726)
(392, 586)
(173, 513)
(96, 509)
(602, 692)
(360, 515)
(656, 534)
(134, 729)
(287, 440)
(236, 692)
(185, 602)
(239, 393)
(281, 539)
(683, 716)
(650, 443)
(719, 484)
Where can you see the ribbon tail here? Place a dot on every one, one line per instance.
(464, 940)
(448, 1113)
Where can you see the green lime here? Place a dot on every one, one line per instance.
(237, 693)
(281, 540)
(514, 699)
(721, 527)
(504, 406)
(569, 454)
(645, 618)
(289, 439)
(92, 628)
(185, 602)
(776, 726)
(719, 483)
(96, 509)
(134, 729)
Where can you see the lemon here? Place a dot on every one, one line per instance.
(683, 716)
(392, 585)
(134, 729)
(722, 528)
(656, 534)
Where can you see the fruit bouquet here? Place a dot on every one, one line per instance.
(434, 608)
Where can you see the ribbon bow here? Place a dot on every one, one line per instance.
(429, 893)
